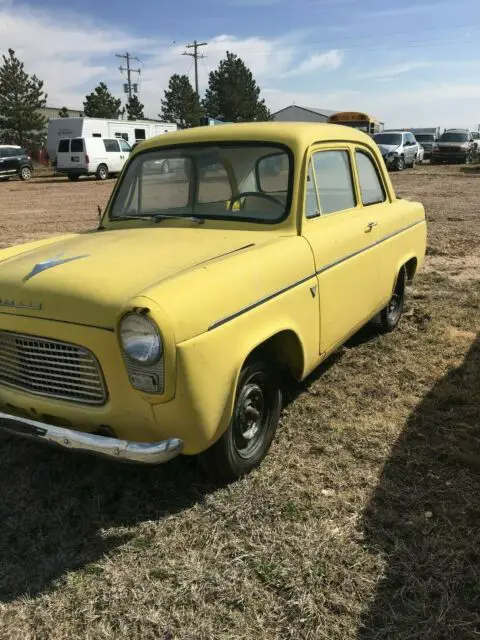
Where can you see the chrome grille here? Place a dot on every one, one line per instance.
(50, 368)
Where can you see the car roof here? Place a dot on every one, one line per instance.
(292, 134)
(392, 131)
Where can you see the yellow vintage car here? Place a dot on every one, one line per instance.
(225, 256)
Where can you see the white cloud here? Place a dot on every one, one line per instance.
(395, 70)
(328, 61)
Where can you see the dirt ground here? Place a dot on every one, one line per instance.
(362, 523)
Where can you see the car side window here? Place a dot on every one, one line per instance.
(64, 146)
(124, 146)
(372, 189)
(111, 146)
(334, 180)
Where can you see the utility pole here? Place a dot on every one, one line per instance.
(128, 86)
(196, 56)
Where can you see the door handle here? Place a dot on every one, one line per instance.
(370, 226)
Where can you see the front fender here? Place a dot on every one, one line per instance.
(208, 365)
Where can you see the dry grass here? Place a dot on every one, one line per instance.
(361, 523)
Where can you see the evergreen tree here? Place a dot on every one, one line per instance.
(181, 103)
(233, 94)
(135, 108)
(63, 113)
(101, 103)
(21, 97)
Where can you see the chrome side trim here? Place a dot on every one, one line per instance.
(256, 304)
(123, 450)
(370, 246)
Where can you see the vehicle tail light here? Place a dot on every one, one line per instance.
(87, 159)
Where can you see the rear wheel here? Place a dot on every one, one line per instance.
(102, 172)
(391, 314)
(73, 178)
(25, 173)
(253, 424)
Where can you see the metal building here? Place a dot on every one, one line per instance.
(295, 113)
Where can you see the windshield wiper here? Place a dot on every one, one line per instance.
(158, 217)
(172, 216)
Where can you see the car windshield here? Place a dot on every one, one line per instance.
(388, 138)
(232, 181)
(425, 137)
(454, 137)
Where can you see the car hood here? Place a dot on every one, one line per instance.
(387, 148)
(88, 278)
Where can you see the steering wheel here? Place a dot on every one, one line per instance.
(255, 194)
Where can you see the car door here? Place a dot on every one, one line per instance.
(114, 160)
(342, 234)
(10, 163)
(412, 148)
(3, 157)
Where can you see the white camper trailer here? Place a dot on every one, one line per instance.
(131, 131)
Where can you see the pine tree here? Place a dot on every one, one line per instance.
(21, 97)
(63, 113)
(135, 108)
(181, 103)
(233, 94)
(101, 103)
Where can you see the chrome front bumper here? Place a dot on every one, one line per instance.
(122, 450)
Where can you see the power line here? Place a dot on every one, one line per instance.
(128, 85)
(196, 57)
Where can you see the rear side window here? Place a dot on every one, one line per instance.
(64, 146)
(333, 175)
(76, 145)
(111, 146)
(371, 185)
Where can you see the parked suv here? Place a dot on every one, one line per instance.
(427, 140)
(14, 161)
(399, 148)
(454, 145)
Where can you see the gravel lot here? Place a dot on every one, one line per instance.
(44, 207)
(361, 524)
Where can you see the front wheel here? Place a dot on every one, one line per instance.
(391, 314)
(25, 173)
(256, 413)
(102, 172)
(400, 164)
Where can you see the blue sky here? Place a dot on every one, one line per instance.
(411, 63)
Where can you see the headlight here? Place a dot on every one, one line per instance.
(140, 339)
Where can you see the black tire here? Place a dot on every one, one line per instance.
(102, 172)
(400, 163)
(25, 173)
(73, 178)
(256, 413)
(391, 314)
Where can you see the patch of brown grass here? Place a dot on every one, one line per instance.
(361, 523)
